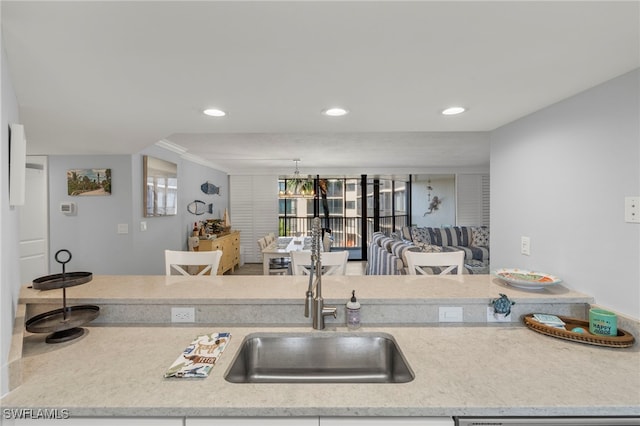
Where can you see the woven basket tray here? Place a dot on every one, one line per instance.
(622, 340)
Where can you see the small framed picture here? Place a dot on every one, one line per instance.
(81, 182)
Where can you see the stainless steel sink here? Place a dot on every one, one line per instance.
(327, 357)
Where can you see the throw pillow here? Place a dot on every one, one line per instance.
(480, 236)
(420, 235)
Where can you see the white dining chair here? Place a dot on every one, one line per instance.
(333, 263)
(262, 243)
(418, 261)
(177, 260)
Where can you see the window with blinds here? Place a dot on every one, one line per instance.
(472, 199)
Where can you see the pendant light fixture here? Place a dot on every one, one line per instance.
(298, 187)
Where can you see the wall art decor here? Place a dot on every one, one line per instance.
(209, 188)
(199, 207)
(82, 182)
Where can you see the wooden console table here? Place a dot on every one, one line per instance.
(230, 246)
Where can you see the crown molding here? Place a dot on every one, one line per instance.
(185, 155)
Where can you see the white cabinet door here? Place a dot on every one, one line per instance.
(32, 419)
(253, 421)
(386, 421)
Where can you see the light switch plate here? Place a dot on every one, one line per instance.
(525, 246)
(450, 314)
(123, 228)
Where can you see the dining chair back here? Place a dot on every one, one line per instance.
(418, 261)
(262, 243)
(177, 260)
(333, 263)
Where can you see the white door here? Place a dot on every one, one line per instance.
(34, 222)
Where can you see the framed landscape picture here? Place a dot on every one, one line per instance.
(82, 182)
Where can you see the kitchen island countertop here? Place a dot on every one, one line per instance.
(118, 371)
(460, 369)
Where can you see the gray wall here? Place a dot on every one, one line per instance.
(559, 176)
(91, 235)
(9, 226)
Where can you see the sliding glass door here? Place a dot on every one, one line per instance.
(388, 205)
(351, 209)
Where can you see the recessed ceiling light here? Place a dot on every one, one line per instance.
(335, 112)
(213, 112)
(454, 110)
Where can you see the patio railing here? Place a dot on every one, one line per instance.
(345, 231)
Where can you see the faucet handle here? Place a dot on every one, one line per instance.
(330, 310)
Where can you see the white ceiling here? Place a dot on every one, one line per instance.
(116, 77)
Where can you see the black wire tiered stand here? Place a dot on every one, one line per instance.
(65, 323)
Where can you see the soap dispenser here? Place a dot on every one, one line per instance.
(353, 312)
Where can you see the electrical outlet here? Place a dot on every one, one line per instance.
(632, 209)
(450, 314)
(183, 314)
(492, 318)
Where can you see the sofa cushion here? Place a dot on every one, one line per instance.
(405, 233)
(386, 243)
(398, 248)
(439, 236)
(473, 252)
(465, 236)
(376, 237)
(451, 236)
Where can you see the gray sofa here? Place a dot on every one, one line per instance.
(386, 253)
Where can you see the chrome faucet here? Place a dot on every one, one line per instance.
(315, 304)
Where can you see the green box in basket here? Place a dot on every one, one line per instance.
(603, 322)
